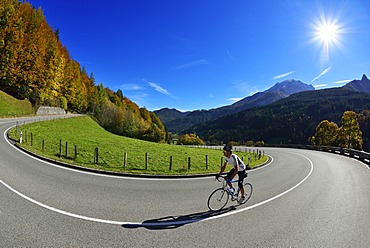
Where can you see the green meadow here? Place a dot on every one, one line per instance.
(10, 106)
(78, 140)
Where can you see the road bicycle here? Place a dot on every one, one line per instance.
(220, 197)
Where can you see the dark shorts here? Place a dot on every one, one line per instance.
(241, 175)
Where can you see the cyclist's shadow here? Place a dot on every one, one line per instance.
(171, 222)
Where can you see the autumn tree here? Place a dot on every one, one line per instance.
(326, 134)
(350, 135)
(190, 139)
(35, 65)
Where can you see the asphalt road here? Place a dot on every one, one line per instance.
(301, 199)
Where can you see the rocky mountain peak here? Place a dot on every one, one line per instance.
(362, 85)
(364, 78)
(290, 86)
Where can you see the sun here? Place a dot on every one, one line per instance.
(328, 33)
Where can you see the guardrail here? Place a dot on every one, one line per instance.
(359, 155)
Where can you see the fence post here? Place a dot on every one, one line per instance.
(124, 160)
(31, 139)
(96, 155)
(43, 145)
(206, 162)
(189, 162)
(146, 160)
(170, 162)
(75, 151)
(60, 148)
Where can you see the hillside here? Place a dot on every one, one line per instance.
(176, 121)
(9, 106)
(35, 65)
(86, 135)
(290, 120)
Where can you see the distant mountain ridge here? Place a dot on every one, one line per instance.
(294, 118)
(176, 121)
(290, 120)
(362, 85)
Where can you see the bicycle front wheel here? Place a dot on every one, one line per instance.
(218, 199)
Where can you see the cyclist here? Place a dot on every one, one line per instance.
(238, 169)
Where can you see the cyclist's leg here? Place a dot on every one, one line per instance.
(228, 177)
(241, 175)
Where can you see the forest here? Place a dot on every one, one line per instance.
(35, 65)
(292, 120)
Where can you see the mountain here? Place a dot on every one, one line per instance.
(362, 85)
(289, 120)
(291, 86)
(167, 115)
(176, 121)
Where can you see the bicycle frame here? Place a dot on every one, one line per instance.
(220, 196)
(225, 184)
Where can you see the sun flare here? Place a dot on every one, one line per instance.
(328, 32)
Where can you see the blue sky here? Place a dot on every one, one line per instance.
(193, 55)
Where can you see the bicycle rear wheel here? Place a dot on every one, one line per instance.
(248, 189)
(218, 199)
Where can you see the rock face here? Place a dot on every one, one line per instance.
(362, 85)
(44, 110)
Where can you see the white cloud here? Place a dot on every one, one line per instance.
(342, 82)
(321, 74)
(193, 63)
(283, 75)
(229, 54)
(320, 85)
(128, 87)
(235, 99)
(159, 88)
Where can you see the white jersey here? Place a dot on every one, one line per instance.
(235, 160)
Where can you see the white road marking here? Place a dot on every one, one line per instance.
(153, 224)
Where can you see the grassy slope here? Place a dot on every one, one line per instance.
(9, 106)
(86, 134)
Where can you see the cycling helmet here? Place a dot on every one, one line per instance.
(228, 148)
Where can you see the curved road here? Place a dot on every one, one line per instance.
(301, 199)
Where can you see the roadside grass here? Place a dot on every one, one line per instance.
(10, 106)
(84, 135)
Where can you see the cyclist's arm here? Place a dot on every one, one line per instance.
(223, 167)
(235, 171)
